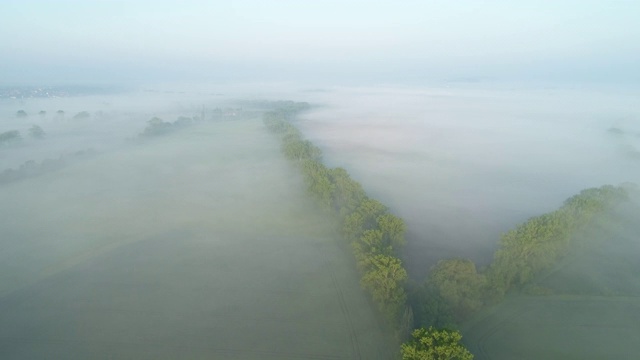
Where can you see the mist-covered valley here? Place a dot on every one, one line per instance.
(166, 222)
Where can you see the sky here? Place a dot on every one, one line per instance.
(285, 40)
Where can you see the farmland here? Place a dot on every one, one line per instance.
(198, 245)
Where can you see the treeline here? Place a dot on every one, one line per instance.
(158, 127)
(455, 289)
(32, 168)
(13, 136)
(536, 246)
(59, 115)
(374, 234)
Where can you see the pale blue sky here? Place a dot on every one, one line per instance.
(284, 39)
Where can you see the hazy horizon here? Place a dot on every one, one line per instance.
(327, 43)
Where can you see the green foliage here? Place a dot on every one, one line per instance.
(374, 234)
(384, 278)
(318, 182)
(299, 150)
(538, 244)
(275, 122)
(21, 114)
(393, 229)
(370, 244)
(590, 202)
(433, 344)
(430, 308)
(347, 194)
(457, 282)
(363, 218)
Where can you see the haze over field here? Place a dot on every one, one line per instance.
(146, 211)
(464, 164)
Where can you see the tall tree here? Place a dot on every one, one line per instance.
(384, 279)
(433, 344)
(457, 282)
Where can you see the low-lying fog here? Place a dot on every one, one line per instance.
(196, 243)
(463, 164)
(157, 226)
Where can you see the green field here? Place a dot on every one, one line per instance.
(202, 244)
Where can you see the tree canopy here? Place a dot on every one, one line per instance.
(36, 132)
(433, 344)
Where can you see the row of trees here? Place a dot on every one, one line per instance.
(157, 126)
(375, 235)
(14, 137)
(21, 114)
(31, 168)
(455, 289)
(537, 245)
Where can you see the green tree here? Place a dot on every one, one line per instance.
(384, 279)
(21, 114)
(433, 344)
(348, 193)
(369, 245)
(458, 283)
(353, 226)
(319, 184)
(538, 244)
(393, 229)
(36, 132)
(364, 218)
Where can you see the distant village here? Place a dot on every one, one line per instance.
(25, 92)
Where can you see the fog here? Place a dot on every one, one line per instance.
(464, 164)
(146, 211)
(172, 236)
(191, 244)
